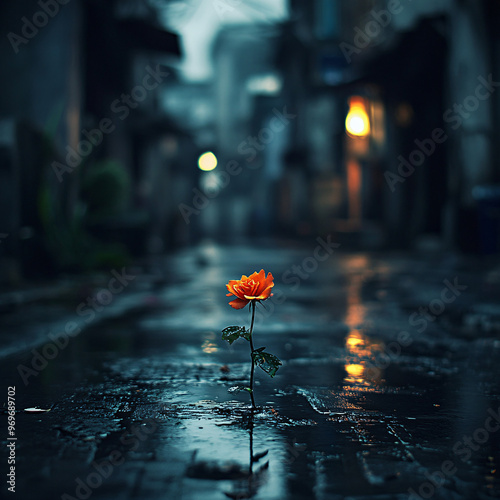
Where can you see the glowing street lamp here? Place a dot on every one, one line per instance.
(357, 122)
(207, 161)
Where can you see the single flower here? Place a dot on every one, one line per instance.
(250, 290)
(255, 287)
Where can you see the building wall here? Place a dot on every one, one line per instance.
(469, 123)
(43, 72)
(469, 62)
(40, 100)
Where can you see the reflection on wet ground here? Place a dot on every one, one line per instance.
(371, 402)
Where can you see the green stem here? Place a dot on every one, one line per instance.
(252, 305)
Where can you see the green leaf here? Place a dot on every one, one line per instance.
(246, 335)
(232, 333)
(238, 388)
(267, 361)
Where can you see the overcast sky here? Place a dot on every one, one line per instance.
(198, 22)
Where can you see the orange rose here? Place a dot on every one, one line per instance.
(248, 288)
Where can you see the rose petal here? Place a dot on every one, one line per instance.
(269, 280)
(238, 303)
(265, 285)
(265, 294)
(257, 286)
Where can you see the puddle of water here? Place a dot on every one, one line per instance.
(336, 420)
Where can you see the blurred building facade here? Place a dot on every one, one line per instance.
(251, 127)
(88, 154)
(426, 74)
(374, 120)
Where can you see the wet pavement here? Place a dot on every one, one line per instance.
(389, 388)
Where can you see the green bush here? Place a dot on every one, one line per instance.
(105, 188)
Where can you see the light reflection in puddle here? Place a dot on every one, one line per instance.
(360, 363)
(355, 371)
(209, 346)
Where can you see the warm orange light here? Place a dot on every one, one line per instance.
(355, 370)
(354, 190)
(357, 122)
(353, 342)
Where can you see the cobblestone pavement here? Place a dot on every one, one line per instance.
(389, 387)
